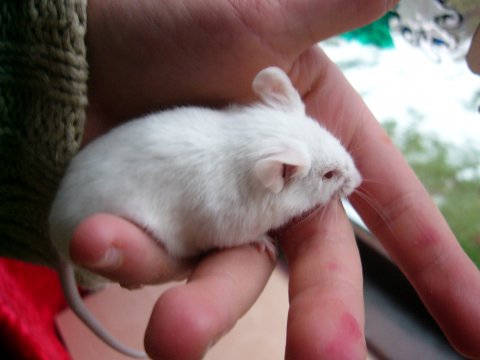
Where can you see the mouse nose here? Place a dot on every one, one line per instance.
(346, 189)
(356, 179)
(350, 184)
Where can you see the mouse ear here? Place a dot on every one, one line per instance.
(275, 89)
(280, 165)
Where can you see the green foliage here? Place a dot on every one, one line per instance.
(452, 176)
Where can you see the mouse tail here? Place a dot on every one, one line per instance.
(68, 282)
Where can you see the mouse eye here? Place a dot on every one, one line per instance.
(330, 175)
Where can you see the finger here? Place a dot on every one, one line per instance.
(188, 320)
(327, 18)
(305, 22)
(117, 249)
(404, 218)
(326, 316)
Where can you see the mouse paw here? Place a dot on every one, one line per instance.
(266, 244)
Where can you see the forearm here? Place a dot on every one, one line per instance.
(43, 75)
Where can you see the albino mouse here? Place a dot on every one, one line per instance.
(198, 178)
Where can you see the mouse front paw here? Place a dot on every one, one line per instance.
(266, 244)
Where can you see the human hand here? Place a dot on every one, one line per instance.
(324, 268)
(146, 55)
(473, 56)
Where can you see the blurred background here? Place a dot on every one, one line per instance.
(410, 69)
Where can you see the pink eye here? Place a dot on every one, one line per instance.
(329, 174)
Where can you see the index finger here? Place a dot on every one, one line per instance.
(405, 220)
(326, 314)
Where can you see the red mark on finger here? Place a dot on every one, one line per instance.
(333, 266)
(349, 328)
(427, 237)
(347, 342)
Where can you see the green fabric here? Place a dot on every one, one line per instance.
(376, 34)
(43, 95)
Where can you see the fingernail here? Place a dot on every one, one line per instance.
(110, 261)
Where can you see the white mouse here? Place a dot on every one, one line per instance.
(198, 178)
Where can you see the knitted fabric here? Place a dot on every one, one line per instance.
(43, 95)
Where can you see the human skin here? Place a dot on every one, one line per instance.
(473, 55)
(147, 55)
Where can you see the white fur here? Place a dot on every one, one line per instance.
(197, 178)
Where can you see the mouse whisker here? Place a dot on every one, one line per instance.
(372, 181)
(377, 207)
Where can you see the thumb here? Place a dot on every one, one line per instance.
(309, 21)
(122, 252)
